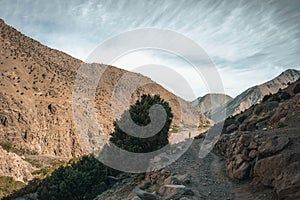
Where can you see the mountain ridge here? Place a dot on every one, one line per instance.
(254, 95)
(36, 86)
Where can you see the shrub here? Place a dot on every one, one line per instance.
(242, 118)
(285, 96)
(281, 124)
(83, 179)
(7, 146)
(296, 89)
(139, 113)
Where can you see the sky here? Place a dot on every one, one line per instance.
(249, 42)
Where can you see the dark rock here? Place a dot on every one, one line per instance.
(273, 145)
(252, 145)
(253, 153)
(5, 119)
(245, 140)
(287, 185)
(231, 128)
(242, 172)
(267, 169)
(188, 192)
(53, 108)
(239, 160)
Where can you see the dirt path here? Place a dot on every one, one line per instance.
(205, 182)
(209, 179)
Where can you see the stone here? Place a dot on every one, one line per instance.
(242, 172)
(287, 184)
(52, 108)
(252, 145)
(231, 128)
(230, 170)
(273, 145)
(245, 154)
(239, 160)
(253, 153)
(143, 195)
(266, 170)
(245, 140)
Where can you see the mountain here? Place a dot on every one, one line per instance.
(36, 84)
(210, 102)
(254, 95)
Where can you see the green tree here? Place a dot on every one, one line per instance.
(139, 113)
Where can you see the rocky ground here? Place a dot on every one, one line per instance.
(194, 178)
(256, 157)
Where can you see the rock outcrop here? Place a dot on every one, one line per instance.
(14, 166)
(264, 149)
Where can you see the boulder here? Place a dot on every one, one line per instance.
(242, 172)
(273, 145)
(287, 184)
(231, 128)
(244, 140)
(266, 170)
(252, 153)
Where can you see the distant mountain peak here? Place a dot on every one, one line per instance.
(255, 94)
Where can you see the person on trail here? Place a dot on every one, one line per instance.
(189, 135)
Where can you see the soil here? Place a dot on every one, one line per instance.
(209, 179)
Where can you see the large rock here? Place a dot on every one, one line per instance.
(268, 169)
(287, 184)
(242, 172)
(173, 187)
(145, 195)
(273, 145)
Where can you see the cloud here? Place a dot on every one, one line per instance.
(240, 36)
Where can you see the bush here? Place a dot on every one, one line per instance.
(139, 113)
(242, 118)
(281, 124)
(296, 90)
(7, 146)
(266, 97)
(285, 96)
(8, 185)
(83, 179)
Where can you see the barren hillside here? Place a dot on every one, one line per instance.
(36, 87)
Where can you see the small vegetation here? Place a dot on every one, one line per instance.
(296, 90)
(174, 130)
(79, 179)
(285, 96)
(8, 146)
(8, 185)
(281, 124)
(242, 118)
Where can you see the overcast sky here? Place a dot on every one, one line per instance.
(250, 42)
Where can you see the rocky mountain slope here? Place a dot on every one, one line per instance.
(254, 95)
(210, 102)
(262, 143)
(36, 87)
